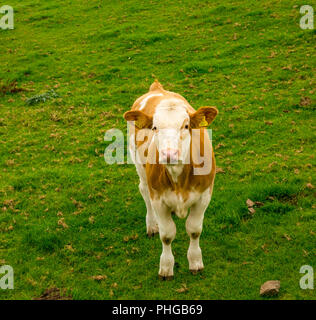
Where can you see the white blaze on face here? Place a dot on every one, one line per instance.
(171, 135)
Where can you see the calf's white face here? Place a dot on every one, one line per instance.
(171, 125)
(171, 131)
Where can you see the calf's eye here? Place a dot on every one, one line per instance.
(186, 126)
(154, 128)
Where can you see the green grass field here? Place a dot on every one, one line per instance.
(67, 217)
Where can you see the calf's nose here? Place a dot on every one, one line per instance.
(170, 155)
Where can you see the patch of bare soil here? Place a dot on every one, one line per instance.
(53, 294)
(10, 88)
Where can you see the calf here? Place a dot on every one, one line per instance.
(175, 162)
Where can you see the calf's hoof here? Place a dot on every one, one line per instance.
(164, 278)
(151, 234)
(151, 231)
(194, 272)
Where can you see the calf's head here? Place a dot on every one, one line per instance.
(172, 127)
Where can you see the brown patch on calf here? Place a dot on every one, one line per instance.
(166, 240)
(142, 120)
(195, 235)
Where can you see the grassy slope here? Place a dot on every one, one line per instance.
(100, 57)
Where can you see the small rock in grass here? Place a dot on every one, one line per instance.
(250, 203)
(251, 210)
(305, 101)
(270, 288)
(99, 277)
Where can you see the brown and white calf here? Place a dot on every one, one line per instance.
(176, 167)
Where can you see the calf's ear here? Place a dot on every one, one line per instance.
(141, 119)
(203, 117)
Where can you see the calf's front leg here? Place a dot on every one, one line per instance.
(194, 224)
(151, 223)
(167, 233)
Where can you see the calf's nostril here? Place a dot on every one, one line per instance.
(170, 154)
